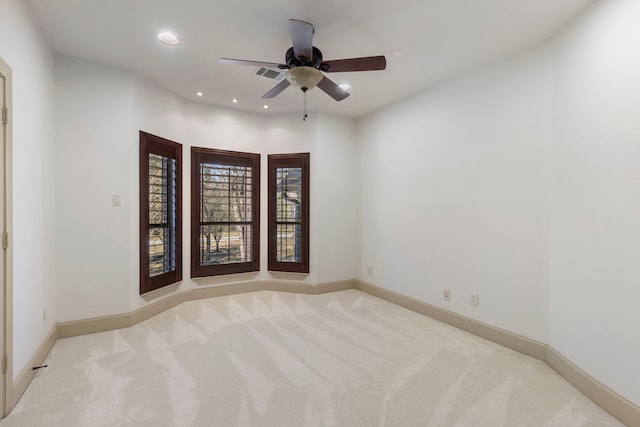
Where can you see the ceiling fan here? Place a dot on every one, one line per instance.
(306, 67)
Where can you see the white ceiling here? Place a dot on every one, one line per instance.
(439, 38)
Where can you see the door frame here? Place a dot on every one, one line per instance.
(6, 281)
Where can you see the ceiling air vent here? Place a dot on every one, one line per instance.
(270, 73)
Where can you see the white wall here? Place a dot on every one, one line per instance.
(31, 61)
(453, 195)
(289, 134)
(158, 112)
(595, 196)
(335, 192)
(520, 181)
(100, 111)
(517, 181)
(93, 116)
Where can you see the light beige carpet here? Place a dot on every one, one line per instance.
(287, 360)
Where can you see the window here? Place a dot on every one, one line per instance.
(225, 212)
(289, 212)
(160, 212)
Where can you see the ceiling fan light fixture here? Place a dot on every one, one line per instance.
(304, 77)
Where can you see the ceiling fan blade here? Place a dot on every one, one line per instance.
(302, 38)
(277, 89)
(253, 63)
(369, 63)
(332, 89)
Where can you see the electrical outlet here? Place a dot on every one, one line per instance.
(446, 294)
(474, 299)
(369, 270)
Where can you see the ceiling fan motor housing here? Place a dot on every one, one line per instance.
(293, 62)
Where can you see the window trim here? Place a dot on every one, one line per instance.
(152, 144)
(301, 160)
(198, 156)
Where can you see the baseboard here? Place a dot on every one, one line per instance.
(499, 336)
(318, 289)
(118, 321)
(25, 377)
(223, 290)
(93, 325)
(607, 399)
(150, 310)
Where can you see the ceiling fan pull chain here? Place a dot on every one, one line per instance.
(304, 118)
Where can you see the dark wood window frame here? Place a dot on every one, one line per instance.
(151, 144)
(275, 161)
(233, 158)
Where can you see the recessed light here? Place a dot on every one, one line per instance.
(266, 107)
(168, 38)
(235, 101)
(345, 86)
(199, 93)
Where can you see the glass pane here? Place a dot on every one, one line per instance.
(225, 193)
(157, 190)
(225, 244)
(288, 194)
(162, 214)
(226, 199)
(288, 243)
(289, 214)
(162, 253)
